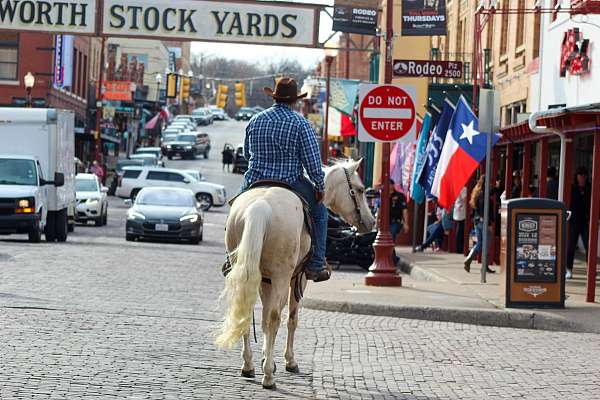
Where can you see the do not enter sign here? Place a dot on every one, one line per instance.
(387, 113)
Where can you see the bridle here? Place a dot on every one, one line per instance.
(353, 197)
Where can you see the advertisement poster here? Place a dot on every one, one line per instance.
(355, 16)
(536, 243)
(423, 17)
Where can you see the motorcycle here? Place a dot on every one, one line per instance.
(346, 246)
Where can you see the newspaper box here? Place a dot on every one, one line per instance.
(533, 253)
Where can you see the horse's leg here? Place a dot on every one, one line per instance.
(273, 302)
(247, 367)
(290, 362)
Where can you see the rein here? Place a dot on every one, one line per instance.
(353, 197)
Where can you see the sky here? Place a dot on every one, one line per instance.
(265, 54)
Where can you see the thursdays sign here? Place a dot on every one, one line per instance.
(423, 17)
(259, 22)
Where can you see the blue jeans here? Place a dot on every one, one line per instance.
(394, 230)
(319, 215)
(435, 234)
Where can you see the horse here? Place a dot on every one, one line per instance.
(267, 240)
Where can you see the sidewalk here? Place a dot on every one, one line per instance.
(436, 287)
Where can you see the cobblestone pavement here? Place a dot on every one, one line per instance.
(99, 317)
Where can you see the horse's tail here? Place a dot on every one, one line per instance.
(242, 284)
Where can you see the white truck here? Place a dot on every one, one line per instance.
(37, 172)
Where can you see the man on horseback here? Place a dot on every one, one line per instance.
(280, 145)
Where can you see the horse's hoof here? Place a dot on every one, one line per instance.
(293, 370)
(270, 387)
(248, 374)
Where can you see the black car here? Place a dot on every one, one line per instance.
(240, 164)
(244, 114)
(165, 213)
(185, 145)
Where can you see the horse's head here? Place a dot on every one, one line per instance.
(345, 195)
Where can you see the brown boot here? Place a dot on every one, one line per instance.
(317, 276)
(468, 264)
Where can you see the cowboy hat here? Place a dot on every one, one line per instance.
(286, 89)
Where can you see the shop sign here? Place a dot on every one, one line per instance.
(423, 17)
(355, 16)
(242, 22)
(117, 90)
(574, 57)
(429, 69)
(76, 16)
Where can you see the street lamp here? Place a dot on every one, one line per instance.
(158, 82)
(330, 55)
(29, 81)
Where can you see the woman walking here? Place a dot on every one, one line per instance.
(477, 204)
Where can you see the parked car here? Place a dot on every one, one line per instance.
(202, 116)
(185, 145)
(244, 114)
(149, 150)
(240, 164)
(173, 130)
(147, 159)
(165, 213)
(92, 202)
(135, 179)
(187, 118)
(218, 113)
(186, 125)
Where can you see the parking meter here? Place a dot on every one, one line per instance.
(533, 253)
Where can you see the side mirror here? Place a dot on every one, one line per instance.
(186, 180)
(104, 189)
(128, 202)
(198, 205)
(59, 179)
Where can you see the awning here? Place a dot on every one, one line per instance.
(152, 123)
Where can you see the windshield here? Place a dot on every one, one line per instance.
(86, 185)
(195, 174)
(147, 151)
(17, 172)
(170, 198)
(186, 138)
(129, 163)
(199, 112)
(246, 109)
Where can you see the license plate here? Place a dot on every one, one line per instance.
(162, 227)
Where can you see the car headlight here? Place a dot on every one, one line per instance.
(23, 203)
(189, 218)
(188, 147)
(25, 206)
(168, 146)
(91, 202)
(133, 215)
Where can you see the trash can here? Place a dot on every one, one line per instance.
(533, 253)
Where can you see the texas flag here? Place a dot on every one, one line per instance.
(463, 150)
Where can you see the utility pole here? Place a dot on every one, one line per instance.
(99, 96)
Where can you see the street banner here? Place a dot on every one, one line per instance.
(428, 69)
(417, 193)
(434, 147)
(355, 16)
(423, 17)
(343, 95)
(463, 150)
(386, 113)
(72, 17)
(275, 23)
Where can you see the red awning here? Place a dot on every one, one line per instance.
(152, 123)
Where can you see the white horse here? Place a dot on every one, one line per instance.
(266, 237)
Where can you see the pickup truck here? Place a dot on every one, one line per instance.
(37, 172)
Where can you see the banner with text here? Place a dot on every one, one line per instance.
(76, 16)
(355, 16)
(423, 17)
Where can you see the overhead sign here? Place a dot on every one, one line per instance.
(423, 17)
(75, 16)
(117, 90)
(429, 69)
(386, 113)
(244, 22)
(355, 16)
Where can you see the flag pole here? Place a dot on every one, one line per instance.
(383, 271)
(489, 97)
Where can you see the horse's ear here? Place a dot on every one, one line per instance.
(355, 165)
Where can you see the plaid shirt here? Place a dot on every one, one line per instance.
(279, 143)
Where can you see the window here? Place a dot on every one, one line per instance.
(521, 24)
(504, 27)
(85, 79)
(173, 177)
(490, 33)
(9, 56)
(131, 173)
(459, 39)
(158, 176)
(536, 35)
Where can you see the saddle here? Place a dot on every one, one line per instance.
(299, 271)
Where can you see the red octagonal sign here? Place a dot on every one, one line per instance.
(386, 113)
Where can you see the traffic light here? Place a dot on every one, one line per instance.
(171, 86)
(222, 96)
(185, 87)
(240, 94)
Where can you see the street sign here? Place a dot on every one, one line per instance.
(386, 113)
(428, 68)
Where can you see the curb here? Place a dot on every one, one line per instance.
(418, 273)
(472, 316)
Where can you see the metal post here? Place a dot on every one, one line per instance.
(415, 222)
(488, 172)
(99, 96)
(325, 152)
(383, 271)
(594, 214)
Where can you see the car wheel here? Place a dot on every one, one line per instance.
(98, 221)
(206, 154)
(61, 225)
(35, 234)
(49, 230)
(205, 200)
(134, 194)
(195, 240)
(71, 228)
(105, 217)
(129, 238)
(170, 157)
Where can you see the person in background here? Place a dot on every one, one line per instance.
(227, 156)
(477, 203)
(459, 214)
(437, 230)
(552, 184)
(398, 212)
(580, 217)
(517, 187)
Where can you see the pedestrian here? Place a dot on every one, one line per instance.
(398, 212)
(517, 185)
(580, 217)
(459, 215)
(97, 170)
(552, 184)
(437, 230)
(227, 156)
(280, 145)
(477, 203)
